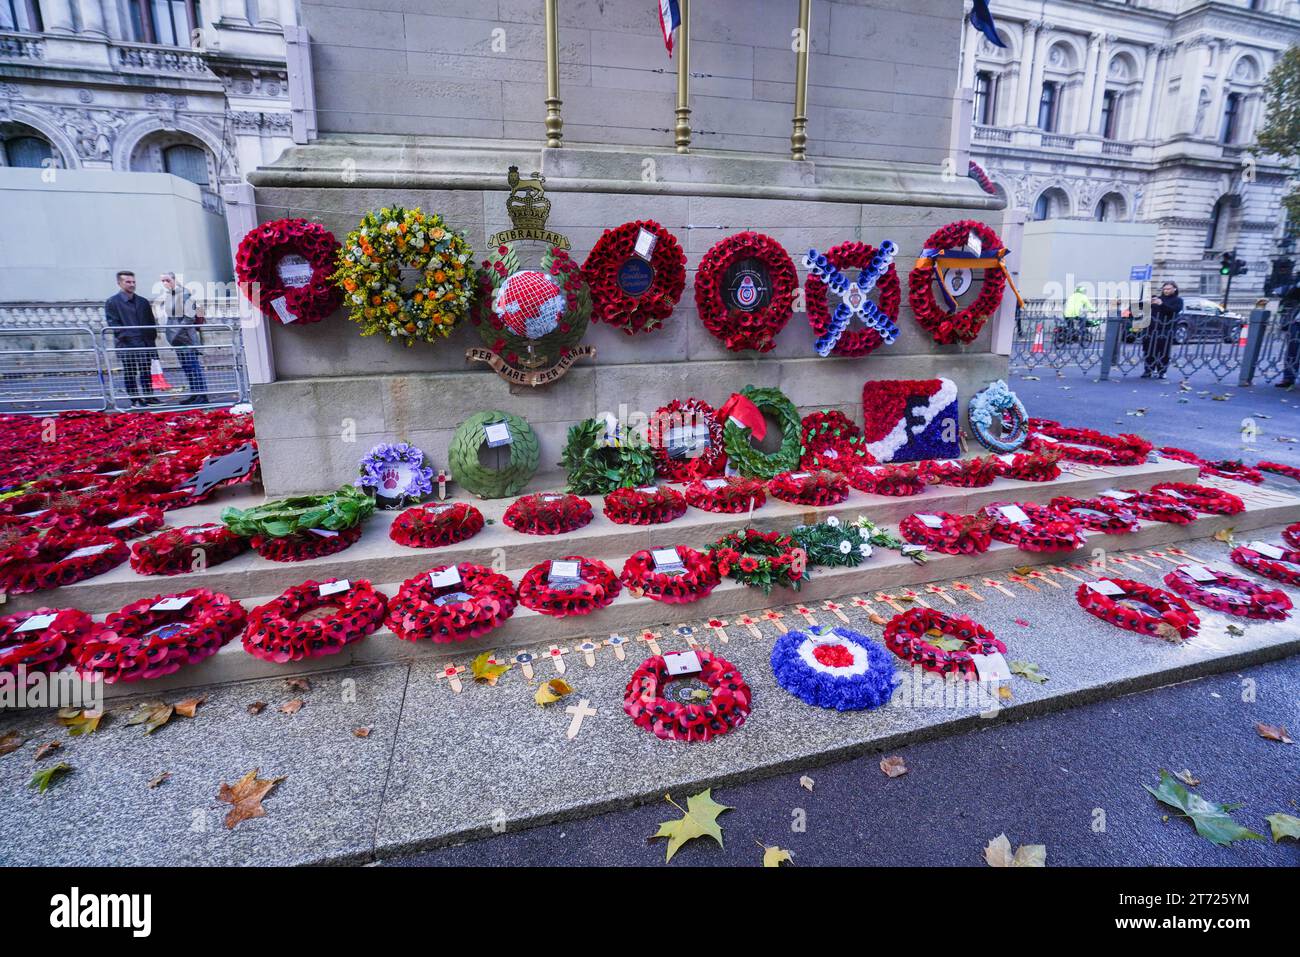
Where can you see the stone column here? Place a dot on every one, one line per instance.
(1083, 109)
(92, 18)
(1158, 107)
(57, 16)
(1195, 59)
(233, 10)
(288, 13)
(1099, 90)
(1146, 96)
(1030, 71)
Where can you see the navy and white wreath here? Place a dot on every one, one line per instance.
(834, 668)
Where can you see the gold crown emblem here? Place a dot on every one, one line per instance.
(527, 204)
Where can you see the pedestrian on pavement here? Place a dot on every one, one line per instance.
(181, 315)
(1159, 337)
(135, 335)
(1077, 308)
(1289, 323)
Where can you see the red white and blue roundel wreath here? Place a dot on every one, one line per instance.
(1228, 593)
(744, 291)
(635, 281)
(879, 322)
(156, 636)
(907, 635)
(648, 703)
(906, 420)
(834, 668)
(1280, 564)
(1138, 607)
(314, 619)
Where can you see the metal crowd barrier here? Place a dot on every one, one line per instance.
(209, 373)
(51, 370)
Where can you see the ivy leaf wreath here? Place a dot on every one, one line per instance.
(745, 457)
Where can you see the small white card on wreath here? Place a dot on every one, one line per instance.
(1117, 495)
(1267, 550)
(36, 623)
(667, 560)
(563, 574)
(172, 603)
(124, 522)
(715, 483)
(334, 588)
(1013, 513)
(645, 244)
(930, 521)
(448, 576)
(497, 434)
(281, 307)
(89, 550)
(682, 663)
(1105, 586)
(991, 667)
(1198, 573)
(324, 532)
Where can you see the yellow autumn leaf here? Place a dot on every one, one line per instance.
(486, 670)
(552, 691)
(776, 856)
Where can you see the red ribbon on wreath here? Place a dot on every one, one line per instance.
(257, 265)
(857, 340)
(737, 328)
(961, 325)
(611, 303)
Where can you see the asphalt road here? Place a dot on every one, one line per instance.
(1050, 780)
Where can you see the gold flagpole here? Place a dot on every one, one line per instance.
(554, 122)
(683, 130)
(799, 137)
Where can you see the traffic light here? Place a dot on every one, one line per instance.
(1230, 264)
(1239, 267)
(1225, 264)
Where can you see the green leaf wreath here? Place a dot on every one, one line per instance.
(749, 460)
(478, 479)
(336, 511)
(596, 468)
(831, 544)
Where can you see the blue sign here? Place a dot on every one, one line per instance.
(635, 277)
(1140, 273)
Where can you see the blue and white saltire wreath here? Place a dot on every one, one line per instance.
(991, 405)
(397, 473)
(864, 680)
(854, 299)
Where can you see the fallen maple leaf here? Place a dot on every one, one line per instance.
(700, 819)
(893, 766)
(877, 619)
(1211, 819)
(552, 691)
(187, 707)
(297, 684)
(806, 783)
(246, 797)
(1224, 535)
(1004, 692)
(78, 721)
(1274, 733)
(998, 854)
(42, 779)
(292, 707)
(11, 742)
(363, 732)
(152, 714)
(160, 779)
(257, 707)
(484, 670)
(48, 748)
(1028, 670)
(1186, 777)
(1284, 825)
(775, 856)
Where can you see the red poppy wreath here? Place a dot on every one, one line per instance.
(647, 505)
(947, 533)
(284, 269)
(313, 620)
(1104, 515)
(892, 480)
(1033, 467)
(451, 603)
(1233, 469)
(831, 440)
(1281, 565)
(686, 438)
(630, 289)
(1230, 594)
(744, 291)
(817, 489)
(648, 703)
(730, 494)
(1291, 535)
(433, 526)
(117, 517)
(42, 640)
(549, 589)
(304, 546)
(962, 325)
(1040, 530)
(155, 636)
(1203, 498)
(54, 558)
(187, 549)
(760, 559)
(644, 577)
(908, 636)
(547, 513)
(1153, 506)
(1135, 606)
(1279, 468)
(1125, 449)
(857, 340)
(961, 473)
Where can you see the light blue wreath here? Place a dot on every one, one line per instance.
(991, 404)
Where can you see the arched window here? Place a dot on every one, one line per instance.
(21, 16)
(1042, 207)
(187, 162)
(1220, 225)
(21, 146)
(1049, 106)
(1111, 208)
(1231, 118)
(1052, 203)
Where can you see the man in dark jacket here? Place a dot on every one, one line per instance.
(1165, 308)
(135, 333)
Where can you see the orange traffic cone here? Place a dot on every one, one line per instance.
(1241, 341)
(157, 379)
(1038, 338)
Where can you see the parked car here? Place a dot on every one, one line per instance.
(1204, 320)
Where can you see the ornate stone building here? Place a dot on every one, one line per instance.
(1138, 111)
(199, 91)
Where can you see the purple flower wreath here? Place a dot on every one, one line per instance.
(378, 473)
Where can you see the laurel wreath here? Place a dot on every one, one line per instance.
(473, 476)
(749, 460)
